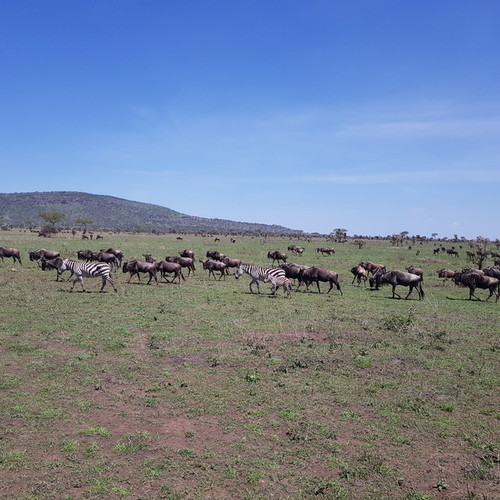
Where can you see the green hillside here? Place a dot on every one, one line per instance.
(111, 213)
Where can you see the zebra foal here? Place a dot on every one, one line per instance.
(83, 270)
(274, 275)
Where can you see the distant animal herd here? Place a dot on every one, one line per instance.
(100, 264)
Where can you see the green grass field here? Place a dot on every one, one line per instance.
(205, 391)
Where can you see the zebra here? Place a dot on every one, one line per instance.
(274, 275)
(87, 270)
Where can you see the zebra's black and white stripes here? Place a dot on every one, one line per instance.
(88, 270)
(274, 275)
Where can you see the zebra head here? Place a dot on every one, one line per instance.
(238, 272)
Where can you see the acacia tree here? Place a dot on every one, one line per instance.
(52, 217)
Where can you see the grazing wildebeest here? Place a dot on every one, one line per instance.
(277, 256)
(295, 249)
(401, 278)
(186, 262)
(139, 266)
(360, 274)
(168, 268)
(36, 255)
(13, 253)
(445, 274)
(473, 280)
(214, 265)
(317, 274)
(417, 271)
(326, 250)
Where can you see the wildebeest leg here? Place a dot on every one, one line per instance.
(319, 290)
(471, 293)
(411, 290)
(394, 294)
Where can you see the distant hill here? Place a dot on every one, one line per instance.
(110, 213)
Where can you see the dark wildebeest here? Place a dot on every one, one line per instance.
(116, 252)
(186, 262)
(214, 265)
(317, 274)
(187, 253)
(292, 271)
(360, 274)
(214, 255)
(445, 274)
(373, 268)
(326, 250)
(234, 263)
(87, 255)
(473, 280)
(494, 272)
(401, 278)
(295, 249)
(168, 268)
(55, 263)
(108, 258)
(36, 255)
(277, 256)
(417, 271)
(13, 253)
(139, 266)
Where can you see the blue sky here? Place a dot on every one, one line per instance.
(374, 116)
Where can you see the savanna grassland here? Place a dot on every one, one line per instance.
(205, 391)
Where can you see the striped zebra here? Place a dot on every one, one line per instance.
(87, 270)
(274, 275)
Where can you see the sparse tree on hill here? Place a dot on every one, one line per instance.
(52, 217)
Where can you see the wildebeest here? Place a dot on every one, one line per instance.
(401, 278)
(13, 253)
(326, 250)
(42, 253)
(372, 267)
(317, 274)
(417, 271)
(494, 272)
(116, 252)
(215, 255)
(168, 268)
(55, 263)
(292, 271)
(214, 266)
(139, 266)
(187, 253)
(277, 256)
(186, 262)
(360, 274)
(87, 255)
(109, 258)
(473, 280)
(445, 274)
(295, 249)
(231, 263)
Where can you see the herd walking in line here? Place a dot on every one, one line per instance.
(102, 263)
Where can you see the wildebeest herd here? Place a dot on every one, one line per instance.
(93, 264)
